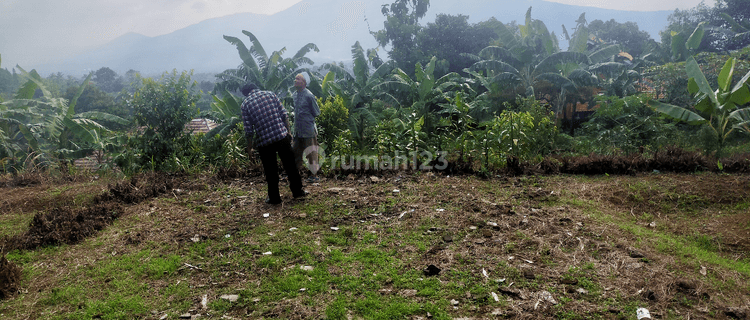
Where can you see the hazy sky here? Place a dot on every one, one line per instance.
(35, 31)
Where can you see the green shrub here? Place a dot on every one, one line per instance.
(625, 125)
(333, 119)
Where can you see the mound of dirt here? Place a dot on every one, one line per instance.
(10, 276)
(140, 187)
(64, 225)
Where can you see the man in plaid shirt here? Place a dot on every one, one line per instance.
(265, 119)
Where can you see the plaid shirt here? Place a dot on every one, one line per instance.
(264, 116)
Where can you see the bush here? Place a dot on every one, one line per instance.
(332, 120)
(626, 125)
(162, 108)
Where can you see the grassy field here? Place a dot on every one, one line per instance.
(402, 246)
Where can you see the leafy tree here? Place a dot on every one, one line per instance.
(107, 80)
(269, 72)
(400, 29)
(450, 36)
(9, 82)
(94, 99)
(163, 107)
(626, 34)
(723, 109)
(725, 25)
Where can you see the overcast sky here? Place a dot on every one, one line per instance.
(33, 31)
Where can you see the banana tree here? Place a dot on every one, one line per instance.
(723, 109)
(684, 45)
(359, 86)
(503, 67)
(226, 112)
(425, 94)
(269, 72)
(49, 126)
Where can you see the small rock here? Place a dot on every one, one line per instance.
(186, 316)
(267, 253)
(334, 228)
(230, 297)
(374, 179)
(447, 238)
(396, 191)
(454, 302)
(307, 268)
(582, 291)
(472, 227)
(703, 271)
(529, 274)
(509, 291)
(408, 293)
(266, 215)
(546, 296)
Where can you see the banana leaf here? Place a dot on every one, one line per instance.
(678, 113)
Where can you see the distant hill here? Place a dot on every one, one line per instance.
(333, 25)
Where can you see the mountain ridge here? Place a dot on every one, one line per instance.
(333, 25)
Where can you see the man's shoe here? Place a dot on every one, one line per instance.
(301, 195)
(275, 201)
(313, 179)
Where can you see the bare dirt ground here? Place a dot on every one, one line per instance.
(539, 226)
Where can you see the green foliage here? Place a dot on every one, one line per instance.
(725, 25)
(625, 125)
(332, 120)
(162, 107)
(40, 130)
(722, 110)
(449, 38)
(400, 26)
(524, 135)
(269, 72)
(107, 79)
(226, 112)
(360, 87)
(632, 39)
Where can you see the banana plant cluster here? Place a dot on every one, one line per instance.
(47, 129)
(723, 109)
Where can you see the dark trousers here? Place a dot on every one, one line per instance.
(268, 154)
